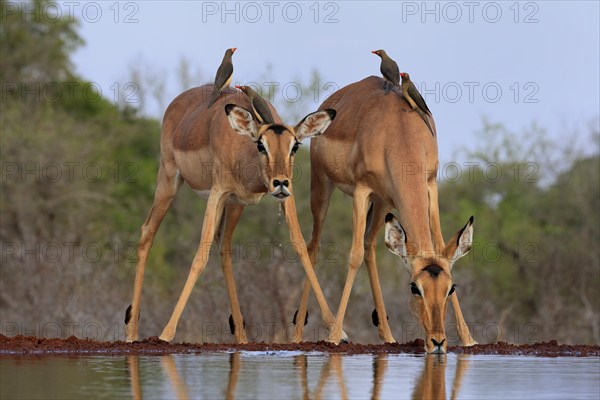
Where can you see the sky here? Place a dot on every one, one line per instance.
(510, 62)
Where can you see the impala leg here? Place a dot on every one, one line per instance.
(289, 208)
(461, 325)
(357, 252)
(376, 222)
(434, 214)
(231, 218)
(320, 196)
(166, 189)
(301, 312)
(214, 209)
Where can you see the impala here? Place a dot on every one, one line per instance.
(224, 155)
(379, 152)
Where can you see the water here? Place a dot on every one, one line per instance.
(285, 375)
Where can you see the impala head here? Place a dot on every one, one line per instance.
(276, 144)
(431, 282)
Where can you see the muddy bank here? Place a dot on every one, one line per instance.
(23, 345)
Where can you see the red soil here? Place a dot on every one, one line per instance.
(22, 345)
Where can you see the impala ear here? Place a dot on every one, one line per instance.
(241, 121)
(314, 124)
(460, 244)
(395, 238)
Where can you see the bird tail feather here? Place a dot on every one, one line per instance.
(426, 120)
(214, 98)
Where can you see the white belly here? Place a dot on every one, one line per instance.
(202, 193)
(348, 189)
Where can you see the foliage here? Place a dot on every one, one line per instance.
(35, 45)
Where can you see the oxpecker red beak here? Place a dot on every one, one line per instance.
(238, 87)
(233, 50)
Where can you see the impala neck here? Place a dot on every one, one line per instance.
(414, 214)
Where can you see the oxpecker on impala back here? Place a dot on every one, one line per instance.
(261, 109)
(223, 76)
(389, 69)
(413, 97)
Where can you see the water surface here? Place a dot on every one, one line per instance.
(279, 375)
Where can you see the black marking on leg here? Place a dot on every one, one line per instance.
(232, 325)
(296, 315)
(128, 315)
(375, 317)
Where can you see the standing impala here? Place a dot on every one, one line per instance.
(223, 154)
(379, 152)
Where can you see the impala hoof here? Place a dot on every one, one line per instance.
(344, 338)
(333, 339)
(167, 335)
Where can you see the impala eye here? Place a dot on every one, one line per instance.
(295, 147)
(414, 289)
(261, 147)
(452, 289)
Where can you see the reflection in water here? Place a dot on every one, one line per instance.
(133, 366)
(235, 361)
(174, 378)
(168, 365)
(301, 364)
(380, 363)
(432, 382)
(461, 367)
(248, 375)
(333, 364)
